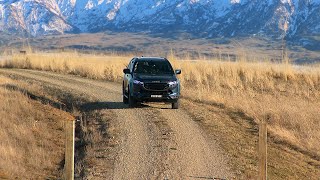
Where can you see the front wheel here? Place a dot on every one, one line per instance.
(132, 101)
(124, 98)
(175, 105)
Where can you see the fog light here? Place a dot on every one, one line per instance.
(173, 96)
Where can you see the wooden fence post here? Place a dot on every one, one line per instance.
(69, 150)
(263, 150)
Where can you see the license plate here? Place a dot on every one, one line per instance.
(156, 96)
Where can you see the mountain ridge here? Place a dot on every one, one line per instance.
(205, 18)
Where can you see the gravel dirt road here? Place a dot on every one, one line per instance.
(148, 142)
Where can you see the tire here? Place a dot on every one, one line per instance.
(132, 102)
(175, 105)
(124, 98)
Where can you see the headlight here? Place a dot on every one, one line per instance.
(173, 84)
(137, 82)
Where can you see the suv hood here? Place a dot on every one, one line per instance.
(161, 78)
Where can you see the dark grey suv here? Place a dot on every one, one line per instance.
(151, 79)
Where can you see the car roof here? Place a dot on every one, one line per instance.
(151, 59)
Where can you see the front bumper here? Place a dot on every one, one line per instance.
(143, 95)
(155, 97)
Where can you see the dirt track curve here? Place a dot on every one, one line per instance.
(153, 142)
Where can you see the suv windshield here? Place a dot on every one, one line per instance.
(153, 67)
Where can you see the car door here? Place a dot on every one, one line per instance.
(128, 77)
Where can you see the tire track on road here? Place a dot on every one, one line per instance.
(198, 157)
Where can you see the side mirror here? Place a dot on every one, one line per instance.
(178, 71)
(126, 71)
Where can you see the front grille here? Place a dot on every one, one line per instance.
(156, 86)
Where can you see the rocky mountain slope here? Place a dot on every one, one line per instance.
(206, 18)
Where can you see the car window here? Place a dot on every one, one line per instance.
(130, 64)
(153, 67)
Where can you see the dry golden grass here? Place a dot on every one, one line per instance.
(31, 136)
(91, 66)
(288, 95)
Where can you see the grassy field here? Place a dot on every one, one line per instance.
(284, 95)
(30, 130)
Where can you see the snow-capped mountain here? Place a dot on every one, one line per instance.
(207, 18)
